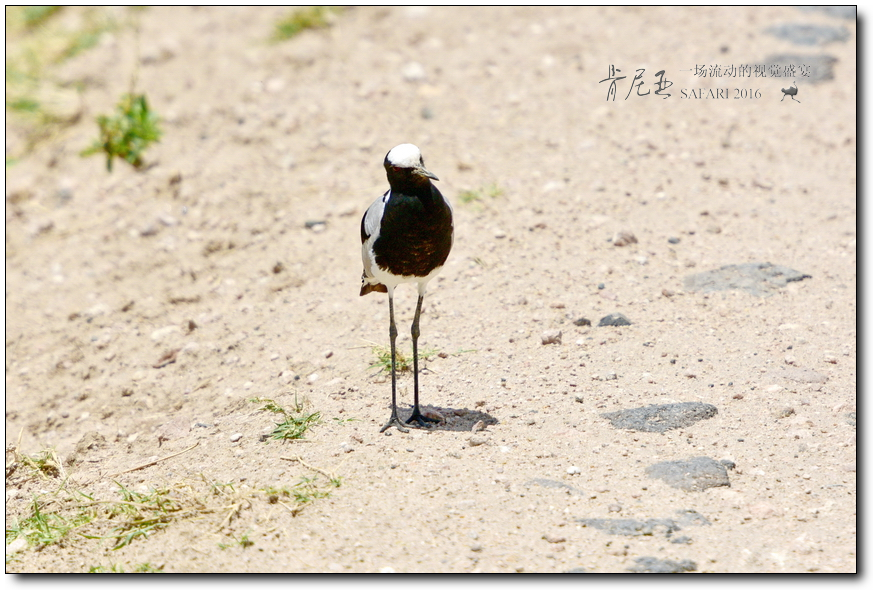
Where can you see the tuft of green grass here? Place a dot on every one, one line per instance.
(402, 361)
(471, 196)
(312, 17)
(294, 424)
(342, 421)
(128, 133)
(34, 16)
(43, 528)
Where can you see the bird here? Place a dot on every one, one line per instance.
(406, 237)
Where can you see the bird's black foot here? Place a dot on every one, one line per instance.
(420, 419)
(394, 421)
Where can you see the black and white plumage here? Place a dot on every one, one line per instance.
(406, 236)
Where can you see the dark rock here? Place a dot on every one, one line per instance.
(614, 319)
(629, 527)
(761, 279)
(662, 417)
(673, 240)
(821, 67)
(653, 565)
(582, 322)
(803, 34)
(694, 475)
(728, 464)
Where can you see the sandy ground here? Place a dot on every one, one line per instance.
(207, 256)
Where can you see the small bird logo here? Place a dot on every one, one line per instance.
(792, 92)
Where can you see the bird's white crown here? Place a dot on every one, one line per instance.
(404, 155)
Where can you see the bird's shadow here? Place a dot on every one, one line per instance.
(456, 419)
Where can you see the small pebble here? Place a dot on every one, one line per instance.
(573, 470)
(623, 238)
(554, 538)
(477, 440)
(582, 322)
(478, 426)
(673, 240)
(551, 337)
(614, 319)
(235, 437)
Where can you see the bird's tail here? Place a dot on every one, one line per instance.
(367, 287)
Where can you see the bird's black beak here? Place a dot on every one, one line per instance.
(422, 171)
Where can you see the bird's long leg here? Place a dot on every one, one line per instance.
(392, 332)
(417, 416)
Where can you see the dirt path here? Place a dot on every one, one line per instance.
(145, 310)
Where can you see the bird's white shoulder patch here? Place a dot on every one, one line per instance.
(405, 155)
(373, 217)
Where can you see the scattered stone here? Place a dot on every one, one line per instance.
(316, 225)
(629, 527)
(480, 425)
(614, 319)
(693, 475)
(554, 538)
(477, 547)
(573, 470)
(653, 565)
(661, 417)
(809, 34)
(235, 437)
(551, 337)
(582, 322)
(614, 508)
(673, 240)
(477, 440)
(623, 238)
(783, 412)
(757, 278)
(413, 72)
